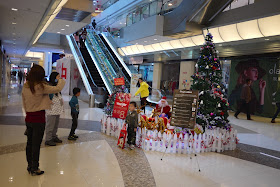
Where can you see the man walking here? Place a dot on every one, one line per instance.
(245, 99)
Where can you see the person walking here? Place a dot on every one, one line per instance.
(144, 93)
(20, 76)
(277, 100)
(245, 99)
(35, 100)
(93, 24)
(53, 114)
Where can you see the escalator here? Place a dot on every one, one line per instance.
(112, 50)
(92, 69)
(92, 80)
(107, 66)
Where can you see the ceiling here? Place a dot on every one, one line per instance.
(17, 27)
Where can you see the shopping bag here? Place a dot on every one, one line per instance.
(122, 137)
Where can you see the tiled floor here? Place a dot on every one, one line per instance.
(95, 160)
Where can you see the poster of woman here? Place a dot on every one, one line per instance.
(264, 84)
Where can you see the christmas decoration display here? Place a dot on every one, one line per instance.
(178, 140)
(213, 105)
(112, 98)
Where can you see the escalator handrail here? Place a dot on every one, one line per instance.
(112, 58)
(84, 64)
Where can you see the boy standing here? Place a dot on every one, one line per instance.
(74, 104)
(132, 122)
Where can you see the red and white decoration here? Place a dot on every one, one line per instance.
(214, 140)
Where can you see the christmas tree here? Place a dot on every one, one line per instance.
(111, 100)
(213, 105)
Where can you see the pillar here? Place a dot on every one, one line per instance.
(48, 63)
(186, 71)
(157, 77)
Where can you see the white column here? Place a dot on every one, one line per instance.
(157, 75)
(48, 63)
(186, 71)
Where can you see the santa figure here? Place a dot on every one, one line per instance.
(163, 108)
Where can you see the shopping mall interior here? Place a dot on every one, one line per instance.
(139, 93)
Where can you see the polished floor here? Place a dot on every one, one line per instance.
(95, 160)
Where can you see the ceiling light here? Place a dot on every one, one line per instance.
(58, 32)
(62, 29)
(155, 39)
(145, 41)
(136, 43)
(14, 33)
(67, 25)
(170, 4)
(14, 43)
(266, 39)
(14, 23)
(14, 9)
(14, 39)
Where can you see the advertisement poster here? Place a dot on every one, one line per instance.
(63, 68)
(133, 88)
(119, 81)
(121, 105)
(264, 73)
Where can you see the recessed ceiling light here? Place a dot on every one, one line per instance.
(14, 33)
(136, 43)
(170, 4)
(67, 25)
(14, 23)
(14, 42)
(62, 29)
(58, 32)
(14, 9)
(145, 41)
(14, 39)
(266, 39)
(155, 39)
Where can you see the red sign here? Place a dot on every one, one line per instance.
(119, 81)
(121, 105)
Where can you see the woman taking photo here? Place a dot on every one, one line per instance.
(35, 100)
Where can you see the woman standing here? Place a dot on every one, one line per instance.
(35, 101)
(53, 114)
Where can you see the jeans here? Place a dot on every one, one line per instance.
(52, 126)
(35, 133)
(246, 106)
(277, 112)
(74, 123)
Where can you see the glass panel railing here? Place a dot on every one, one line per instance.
(108, 4)
(81, 64)
(106, 72)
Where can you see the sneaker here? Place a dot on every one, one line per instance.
(50, 143)
(132, 147)
(76, 136)
(236, 116)
(273, 121)
(71, 138)
(57, 140)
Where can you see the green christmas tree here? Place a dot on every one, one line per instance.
(213, 105)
